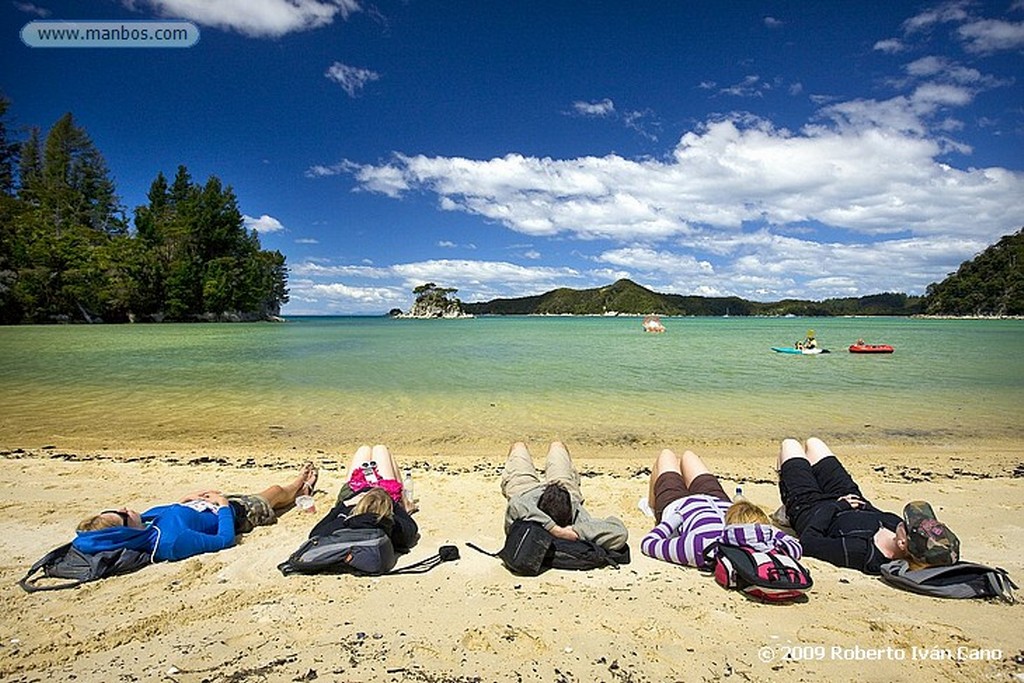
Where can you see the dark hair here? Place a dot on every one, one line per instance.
(555, 503)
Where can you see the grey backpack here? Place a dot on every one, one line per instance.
(68, 567)
(960, 580)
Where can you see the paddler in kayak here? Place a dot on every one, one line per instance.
(809, 342)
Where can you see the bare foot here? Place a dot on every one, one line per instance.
(307, 479)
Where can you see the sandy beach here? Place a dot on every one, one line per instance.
(231, 616)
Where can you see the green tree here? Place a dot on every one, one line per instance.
(75, 187)
(8, 151)
(992, 283)
(30, 170)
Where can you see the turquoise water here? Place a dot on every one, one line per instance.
(330, 382)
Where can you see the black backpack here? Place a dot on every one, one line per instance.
(530, 550)
(73, 567)
(960, 580)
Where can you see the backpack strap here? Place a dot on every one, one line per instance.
(29, 584)
(1002, 585)
(477, 548)
(446, 553)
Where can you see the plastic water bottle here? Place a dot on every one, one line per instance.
(739, 494)
(407, 490)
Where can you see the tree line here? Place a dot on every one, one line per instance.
(68, 252)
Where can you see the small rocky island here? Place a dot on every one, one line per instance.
(433, 302)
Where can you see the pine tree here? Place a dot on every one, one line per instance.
(8, 151)
(30, 170)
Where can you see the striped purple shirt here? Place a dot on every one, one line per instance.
(691, 524)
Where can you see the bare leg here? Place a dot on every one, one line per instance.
(817, 450)
(789, 449)
(667, 461)
(386, 463)
(692, 467)
(363, 454)
(284, 496)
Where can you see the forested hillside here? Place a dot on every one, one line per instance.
(626, 296)
(990, 284)
(68, 253)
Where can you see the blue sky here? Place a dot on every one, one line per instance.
(759, 149)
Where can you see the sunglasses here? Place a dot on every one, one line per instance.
(125, 518)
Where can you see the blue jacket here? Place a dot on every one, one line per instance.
(185, 532)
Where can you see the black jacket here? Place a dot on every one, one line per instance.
(844, 536)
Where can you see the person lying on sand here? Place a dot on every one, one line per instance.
(693, 512)
(201, 522)
(376, 468)
(555, 501)
(837, 524)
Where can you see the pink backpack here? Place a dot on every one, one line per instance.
(767, 575)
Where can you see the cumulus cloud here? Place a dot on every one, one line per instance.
(348, 288)
(772, 22)
(263, 224)
(352, 79)
(869, 168)
(254, 18)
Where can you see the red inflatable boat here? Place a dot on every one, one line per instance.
(871, 348)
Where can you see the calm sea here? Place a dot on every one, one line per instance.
(458, 386)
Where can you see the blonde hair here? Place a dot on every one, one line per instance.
(97, 522)
(745, 512)
(376, 501)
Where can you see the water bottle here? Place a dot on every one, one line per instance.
(407, 491)
(739, 494)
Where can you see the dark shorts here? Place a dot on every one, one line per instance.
(670, 486)
(250, 511)
(802, 485)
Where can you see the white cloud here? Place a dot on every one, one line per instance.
(603, 108)
(772, 22)
(352, 79)
(263, 224)
(870, 169)
(750, 86)
(890, 46)
(315, 287)
(946, 12)
(29, 8)
(992, 35)
(307, 240)
(254, 18)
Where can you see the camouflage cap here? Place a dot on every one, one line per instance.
(929, 541)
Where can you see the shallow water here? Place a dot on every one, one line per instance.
(327, 383)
